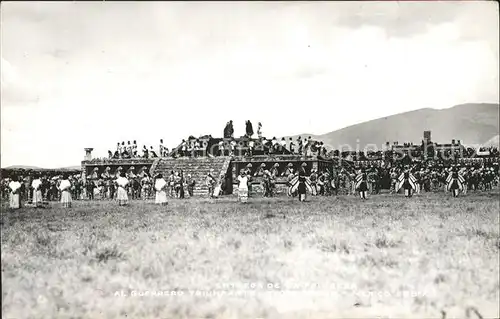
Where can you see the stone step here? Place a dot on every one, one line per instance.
(198, 169)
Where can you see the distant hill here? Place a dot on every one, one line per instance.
(35, 168)
(469, 123)
(70, 168)
(22, 167)
(494, 141)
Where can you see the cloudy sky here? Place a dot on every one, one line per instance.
(78, 75)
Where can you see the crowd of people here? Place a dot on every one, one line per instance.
(413, 171)
(248, 145)
(38, 189)
(414, 178)
(130, 150)
(230, 146)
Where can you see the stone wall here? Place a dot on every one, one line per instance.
(137, 163)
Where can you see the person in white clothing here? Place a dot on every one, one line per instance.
(232, 147)
(161, 192)
(259, 130)
(122, 196)
(243, 187)
(221, 148)
(162, 149)
(37, 191)
(65, 187)
(14, 187)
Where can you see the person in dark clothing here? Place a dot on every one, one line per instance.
(226, 131)
(302, 188)
(90, 189)
(249, 129)
(152, 153)
(230, 130)
(362, 184)
(408, 183)
(455, 182)
(190, 185)
(181, 182)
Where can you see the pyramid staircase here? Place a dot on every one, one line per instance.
(197, 167)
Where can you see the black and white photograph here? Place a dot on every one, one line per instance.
(250, 159)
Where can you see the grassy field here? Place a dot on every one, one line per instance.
(335, 257)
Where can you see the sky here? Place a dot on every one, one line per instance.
(91, 74)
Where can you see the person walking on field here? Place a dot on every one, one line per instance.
(65, 187)
(122, 196)
(161, 192)
(243, 187)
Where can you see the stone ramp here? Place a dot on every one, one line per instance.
(198, 167)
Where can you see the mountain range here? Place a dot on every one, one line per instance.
(475, 124)
(472, 124)
(69, 168)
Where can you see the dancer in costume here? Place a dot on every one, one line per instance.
(145, 186)
(248, 172)
(455, 182)
(314, 181)
(408, 182)
(300, 184)
(361, 184)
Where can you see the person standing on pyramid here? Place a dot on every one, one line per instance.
(226, 131)
(259, 130)
(249, 129)
(230, 130)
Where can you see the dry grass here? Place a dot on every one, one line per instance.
(331, 257)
